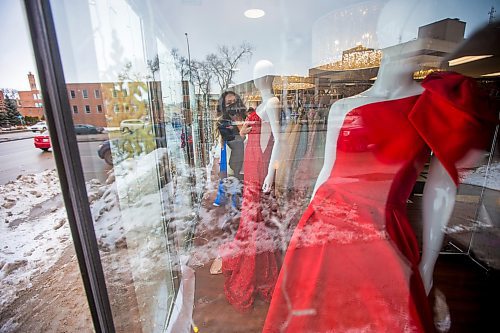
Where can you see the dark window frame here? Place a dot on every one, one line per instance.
(67, 158)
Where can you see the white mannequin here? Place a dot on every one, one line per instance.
(269, 112)
(395, 81)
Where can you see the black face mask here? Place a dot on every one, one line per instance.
(233, 110)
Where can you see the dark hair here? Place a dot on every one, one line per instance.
(237, 108)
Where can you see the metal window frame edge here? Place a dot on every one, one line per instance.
(67, 158)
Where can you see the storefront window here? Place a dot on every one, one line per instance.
(289, 172)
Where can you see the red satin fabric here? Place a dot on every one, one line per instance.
(249, 262)
(352, 263)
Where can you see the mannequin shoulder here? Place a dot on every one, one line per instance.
(340, 108)
(355, 101)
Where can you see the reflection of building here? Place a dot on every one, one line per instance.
(100, 104)
(479, 55)
(126, 100)
(30, 101)
(358, 67)
(86, 103)
(440, 38)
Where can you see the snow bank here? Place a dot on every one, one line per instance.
(33, 230)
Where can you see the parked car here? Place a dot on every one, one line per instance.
(40, 126)
(104, 152)
(129, 145)
(87, 129)
(130, 125)
(42, 141)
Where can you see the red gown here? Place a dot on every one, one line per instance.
(352, 263)
(249, 262)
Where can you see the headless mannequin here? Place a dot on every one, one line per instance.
(269, 112)
(395, 81)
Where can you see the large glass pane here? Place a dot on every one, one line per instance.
(265, 169)
(122, 139)
(40, 282)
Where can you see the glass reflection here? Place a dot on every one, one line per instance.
(161, 70)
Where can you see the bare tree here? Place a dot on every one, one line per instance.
(202, 76)
(181, 63)
(154, 65)
(225, 61)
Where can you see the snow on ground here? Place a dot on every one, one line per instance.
(486, 175)
(129, 224)
(29, 244)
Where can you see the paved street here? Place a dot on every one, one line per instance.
(19, 156)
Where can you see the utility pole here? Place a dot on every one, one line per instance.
(189, 57)
(198, 120)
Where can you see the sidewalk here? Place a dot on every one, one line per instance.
(14, 135)
(6, 136)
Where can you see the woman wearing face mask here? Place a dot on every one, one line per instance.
(230, 113)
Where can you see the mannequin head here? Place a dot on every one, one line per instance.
(263, 74)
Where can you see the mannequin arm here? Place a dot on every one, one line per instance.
(273, 112)
(332, 133)
(438, 202)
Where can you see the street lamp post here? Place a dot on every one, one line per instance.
(189, 56)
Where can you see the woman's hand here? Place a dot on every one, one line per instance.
(245, 129)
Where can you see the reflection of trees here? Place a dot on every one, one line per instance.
(181, 63)
(224, 63)
(155, 94)
(202, 79)
(222, 66)
(127, 98)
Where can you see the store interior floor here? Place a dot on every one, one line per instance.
(471, 289)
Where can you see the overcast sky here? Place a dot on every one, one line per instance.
(16, 55)
(98, 35)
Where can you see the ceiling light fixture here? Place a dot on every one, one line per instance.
(491, 74)
(466, 59)
(254, 13)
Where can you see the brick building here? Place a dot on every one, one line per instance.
(87, 103)
(30, 102)
(103, 104)
(125, 100)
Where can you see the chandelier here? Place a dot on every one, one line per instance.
(293, 83)
(358, 57)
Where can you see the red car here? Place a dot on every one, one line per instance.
(42, 141)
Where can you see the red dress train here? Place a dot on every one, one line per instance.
(249, 262)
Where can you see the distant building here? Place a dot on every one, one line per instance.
(30, 102)
(86, 103)
(126, 100)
